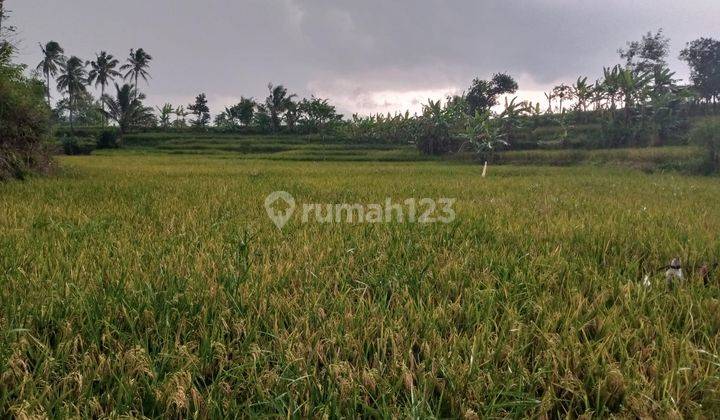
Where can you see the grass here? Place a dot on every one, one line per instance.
(295, 148)
(155, 285)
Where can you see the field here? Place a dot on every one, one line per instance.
(154, 284)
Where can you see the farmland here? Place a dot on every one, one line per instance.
(146, 283)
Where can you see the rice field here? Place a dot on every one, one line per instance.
(156, 286)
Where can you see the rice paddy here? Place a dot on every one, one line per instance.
(156, 285)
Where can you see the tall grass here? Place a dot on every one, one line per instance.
(156, 286)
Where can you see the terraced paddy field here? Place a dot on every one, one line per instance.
(141, 283)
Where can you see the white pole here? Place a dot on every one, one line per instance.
(484, 170)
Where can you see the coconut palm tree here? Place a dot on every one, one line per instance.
(125, 109)
(52, 60)
(72, 80)
(136, 67)
(277, 103)
(103, 72)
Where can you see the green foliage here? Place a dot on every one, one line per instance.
(165, 114)
(24, 121)
(201, 111)
(108, 139)
(484, 94)
(73, 81)
(703, 57)
(53, 59)
(278, 104)
(647, 55)
(136, 67)
(127, 110)
(707, 136)
(73, 145)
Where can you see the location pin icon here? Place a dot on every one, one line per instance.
(280, 218)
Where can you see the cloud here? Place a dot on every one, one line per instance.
(367, 56)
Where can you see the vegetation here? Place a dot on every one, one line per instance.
(24, 118)
(137, 67)
(544, 298)
(73, 81)
(126, 109)
(707, 136)
(201, 111)
(103, 72)
(529, 304)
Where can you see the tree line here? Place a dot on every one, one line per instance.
(638, 102)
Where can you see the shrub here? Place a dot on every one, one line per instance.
(707, 136)
(74, 146)
(24, 122)
(107, 139)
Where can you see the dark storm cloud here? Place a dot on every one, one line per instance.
(367, 55)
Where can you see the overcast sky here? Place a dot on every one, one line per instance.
(365, 55)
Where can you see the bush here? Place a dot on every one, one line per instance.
(24, 122)
(108, 139)
(74, 146)
(707, 136)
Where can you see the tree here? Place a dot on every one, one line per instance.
(126, 108)
(262, 119)
(707, 135)
(244, 110)
(137, 64)
(583, 92)
(564, 93)
(317, 113)
(164, 114)
(5, 31)
(549, 96)
(703, 57)
(180, 114)
(2, 14)
(647, 55)
(201, 111)
(86, 110)
(291, 113)
(72, 80)
(483, 94)
(277, 104)
(103, 72)
(24, 119)
(52, 60)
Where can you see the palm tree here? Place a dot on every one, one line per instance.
(53, 58)
(137, 65)
(277, 103)
(125, 110)
(72, 80)
(103, 72)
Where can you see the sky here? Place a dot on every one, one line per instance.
(366, 56)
